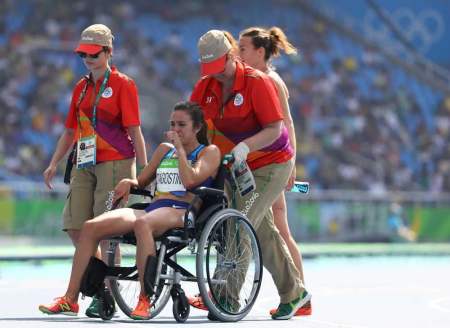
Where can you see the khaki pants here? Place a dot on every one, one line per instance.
(89, 189)
(270, 182)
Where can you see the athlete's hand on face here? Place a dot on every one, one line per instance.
(48, 174)
(174, 139)
(122, 190)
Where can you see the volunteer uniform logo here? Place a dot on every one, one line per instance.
(107, 93)
(207, 56)
(238, 100)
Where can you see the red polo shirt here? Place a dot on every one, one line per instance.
(117, 109)
(253, 104)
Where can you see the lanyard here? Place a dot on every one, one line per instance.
(97, 98)
(80, 99)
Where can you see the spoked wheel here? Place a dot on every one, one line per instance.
(126, 289)
(229, 265)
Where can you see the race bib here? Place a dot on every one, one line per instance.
(86, 150)
(168, 176)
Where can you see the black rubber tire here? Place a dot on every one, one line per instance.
(106, 305)
(180, 312)
(202, 259)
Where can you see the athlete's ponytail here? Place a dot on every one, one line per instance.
(273, 40)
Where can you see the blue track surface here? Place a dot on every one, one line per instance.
(375, 291)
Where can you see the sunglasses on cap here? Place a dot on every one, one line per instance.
(94, 56)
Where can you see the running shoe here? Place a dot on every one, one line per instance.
(286, 311)
(60, 306)
(197, 302)
(92, 310)
(304, 310)
(142, 310)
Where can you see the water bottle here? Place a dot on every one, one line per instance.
(300, 186)
(243, 177)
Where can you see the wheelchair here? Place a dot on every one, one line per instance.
(228, 262)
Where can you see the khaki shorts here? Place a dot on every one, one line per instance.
(89, 189)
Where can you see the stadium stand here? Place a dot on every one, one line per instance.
(363, 121)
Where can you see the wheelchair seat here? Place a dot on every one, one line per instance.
(208, 195)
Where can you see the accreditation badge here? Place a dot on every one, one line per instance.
(86, 150)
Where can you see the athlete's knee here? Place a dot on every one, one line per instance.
(278, 206)
(89, 229)
(141, 226)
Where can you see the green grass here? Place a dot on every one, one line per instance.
(24, 252)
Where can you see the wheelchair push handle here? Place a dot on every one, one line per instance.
(241, 174)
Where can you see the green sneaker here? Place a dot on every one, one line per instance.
(92, 310)
(286, 311)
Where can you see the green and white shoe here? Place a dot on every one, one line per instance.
(286, 311)
(92, 310)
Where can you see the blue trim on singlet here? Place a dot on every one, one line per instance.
(192, 156)
(177, 204)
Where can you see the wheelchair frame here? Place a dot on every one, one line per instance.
(206, 240)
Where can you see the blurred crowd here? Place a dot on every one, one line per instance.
(362, 123)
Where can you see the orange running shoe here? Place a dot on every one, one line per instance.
(197, 302)
(61, 306)
(304, 310)
(142, 310)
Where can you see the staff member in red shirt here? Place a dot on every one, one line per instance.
(244, 117)
(104, 123)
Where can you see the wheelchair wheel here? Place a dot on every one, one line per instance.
(126, 290)
(106, 305)
(180, 306)
(229, 265)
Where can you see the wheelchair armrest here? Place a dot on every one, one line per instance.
(205, 192)
(142, 192)
(139, 206)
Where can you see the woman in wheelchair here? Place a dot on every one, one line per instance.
(185, 162)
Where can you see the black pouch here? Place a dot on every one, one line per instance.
(69, 165)
(150, 274)
(93, 278)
